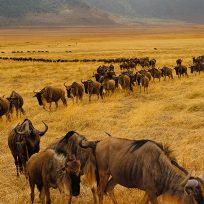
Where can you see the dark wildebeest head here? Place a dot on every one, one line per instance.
(71, 144)
(24, 141)
(38, 95)
(178, 61)
(86, 85)
(143, 164)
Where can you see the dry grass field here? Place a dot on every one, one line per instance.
(172, 112)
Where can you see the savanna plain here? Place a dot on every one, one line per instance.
(171, 113)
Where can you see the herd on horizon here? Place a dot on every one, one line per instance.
(106, 83)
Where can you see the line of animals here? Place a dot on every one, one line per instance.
(73, 159)
(106, 83)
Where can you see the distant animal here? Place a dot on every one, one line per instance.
(156, 73)
(24, 141)
(93, 87)
(70, 145)
(152, 62)
(109, 86)
(166, 71)
(48, 169)
(144, 81)
(5, 108)
(75, 90)
(50, 94)
(199, 67)
(125, 82)
(17, 102)
(181, 70)
(142, 164)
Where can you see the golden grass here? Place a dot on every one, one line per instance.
(171, 113)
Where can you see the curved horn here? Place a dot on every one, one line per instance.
(184, 182)
(41, 133)
(108, 134)
(82, 82)
(65, 84)
(24, 132)
(191, 185)
(35, 92)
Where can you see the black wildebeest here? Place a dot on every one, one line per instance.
(93, 87)
(166, 71)
(50, 94)
(23, 141)
(5, 108)
(48, 169)
(75, 90)
(142, 164)
(17, 102)
(70, 145)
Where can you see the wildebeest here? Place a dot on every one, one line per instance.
(142, 164)
(109, 85)
(50, 94)
(23, 141)
(70, 145)
(75, 90)
(181, 70)
(166, 71)
(5, 108)
(93, 87)
(17, 102)
(144, 81)
(48, 169)
(156, 73)
(125, 82)
(198, 67)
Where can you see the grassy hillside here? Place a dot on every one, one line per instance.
(172, 112)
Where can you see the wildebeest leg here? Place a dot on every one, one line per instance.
(56, 105)
(102, 185)
(42, 195)
(90, 97)
(95, 195)
(22, 111)
(110, 190)
(16, 164)
(152, 198)
(47, 193)
(69, 199)
(32, 188)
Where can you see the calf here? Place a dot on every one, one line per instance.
(48, 169)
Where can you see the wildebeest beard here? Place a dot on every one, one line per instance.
(75, 184)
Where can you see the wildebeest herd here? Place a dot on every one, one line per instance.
(143, 164)
(106, 82)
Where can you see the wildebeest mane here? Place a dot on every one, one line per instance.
(58, 145)
(137, 144)
(165, 148)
